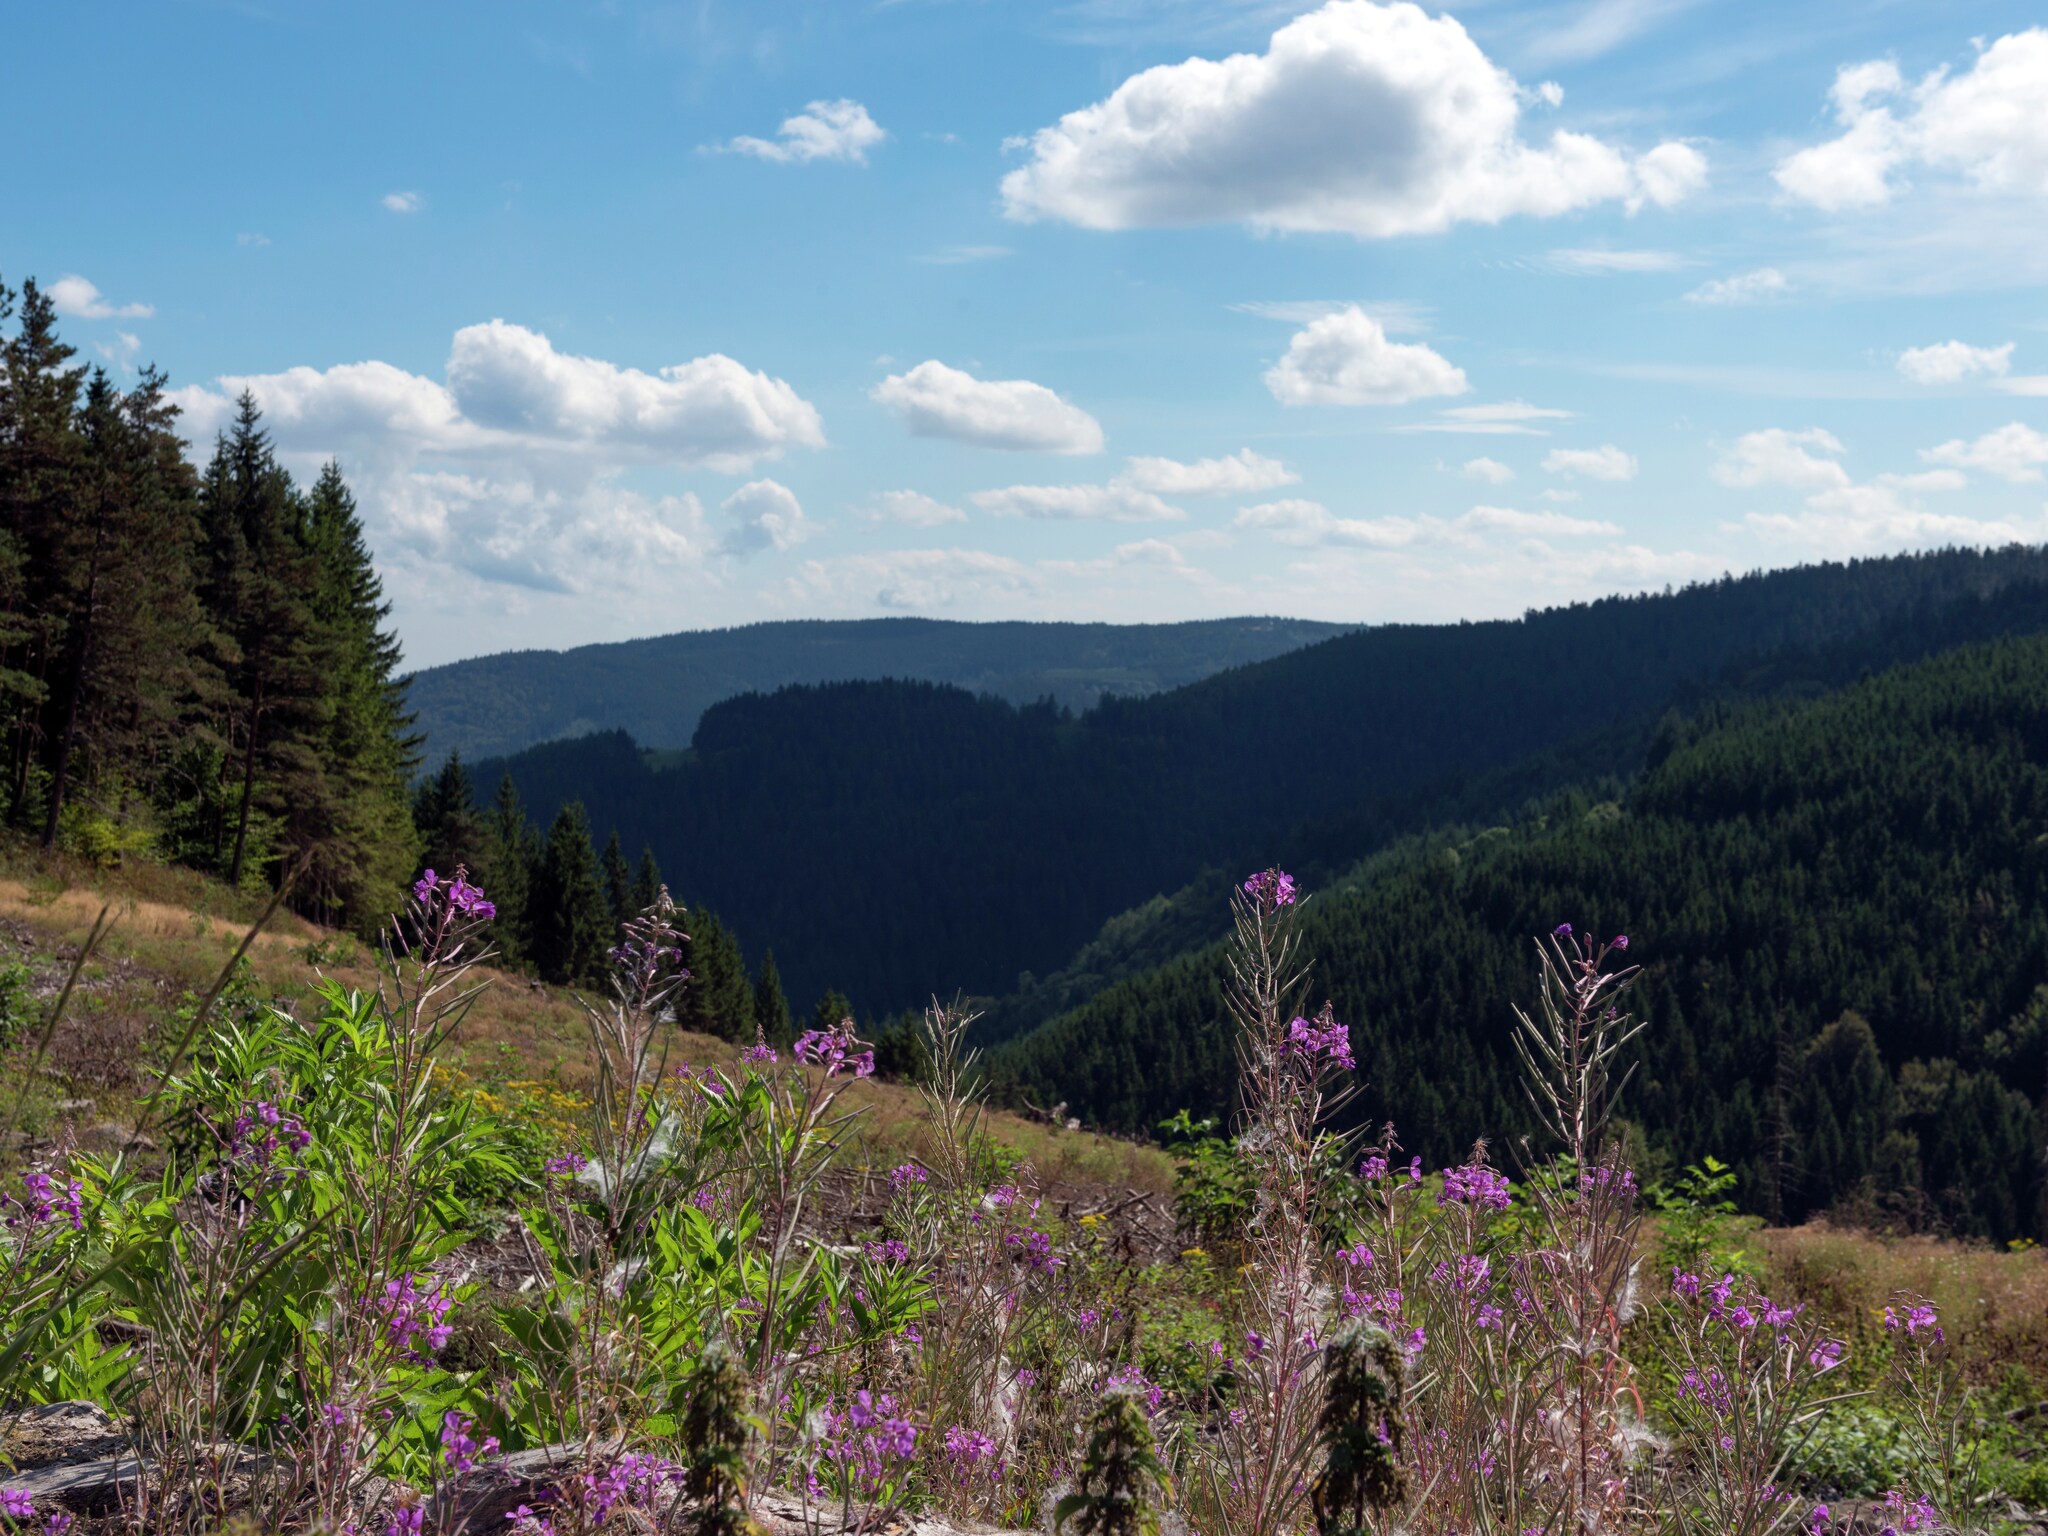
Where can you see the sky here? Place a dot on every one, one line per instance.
(630, 318)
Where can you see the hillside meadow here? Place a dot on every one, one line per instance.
(596, 1221)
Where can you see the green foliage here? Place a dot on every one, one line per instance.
(716, 1428)
(17, 1001)
(1214, 1187)
(1361, 1431)
(1693, 1214)
(1122, 1481)
(1008, 836)
(1843, 901)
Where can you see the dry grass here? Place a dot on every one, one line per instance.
(1993, 1303)
(173, 931)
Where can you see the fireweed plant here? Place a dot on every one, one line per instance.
(293, 1319)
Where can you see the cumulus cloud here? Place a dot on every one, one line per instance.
(1950, 362)
(765, 514)
(1360, 118)
(1239, 473)
(2013, 452)
(513, 470)
(824, 130)
(1842, 514)
(1756, 287)
(403, 202)
(1492, 471)
(1606, 462)
(1310, 523)
(1116, 502)
(1346, 359)
(1507, 418)
(73, 295)
(913, 508)
(711, 410)
(1777, 456)
(936, 401)
(1987, 124)
(1155, 555)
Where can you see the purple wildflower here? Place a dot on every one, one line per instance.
(16, 1504)
(1271, 888)
(1475, 1185)
(1561, 931)
(1332, 1040)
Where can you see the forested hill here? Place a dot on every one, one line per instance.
(656, 689)
(1841, 909)
(895, 839)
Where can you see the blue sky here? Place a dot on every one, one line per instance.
(632, 318)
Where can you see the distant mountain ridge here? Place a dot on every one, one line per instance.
(892, 839)
(656, 689)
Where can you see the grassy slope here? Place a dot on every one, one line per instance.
(173, 931)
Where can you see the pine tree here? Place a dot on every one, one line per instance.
(618, 881)
(39, 452)
(646, 883)
(568, 920)
(718, 1000)
(132, 662)
(258, 583)
(367, 845)
(771, 1006)
(831, 1008)
(511, 853)
(453, 833)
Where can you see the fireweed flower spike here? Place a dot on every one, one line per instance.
(1271, 888)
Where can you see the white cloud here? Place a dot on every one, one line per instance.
(1234, 474)
(913, 508)
(1143, 555)
(1606, 462)
(1397, 317)
(1987, 124)
(936, 401)
(1950, 362)
(1776, 456)
(1562, 498)
(1507, 418)
(1584, 262)
(1346, 359)
(403, 202)
(1748, 288)
(252, 238)
(2023, 384)
(2014, 452)
(1310, 523)
(121, 351)
(765, 515)
(1842, 515)
(824, 130)
(1116, 502)
(916, 579)
(511, 475)
(1492, 471)
(709, 411)
(1364, 119)
(73, 295)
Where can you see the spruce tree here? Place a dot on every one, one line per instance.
(453, 833)
(568, 919)
(831, 1008)
(718, 1000)
(39, 452)
(258, 582)
(366, 844)
(647, 882)
(771, 1005)
(512, 850)
(618, 880)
